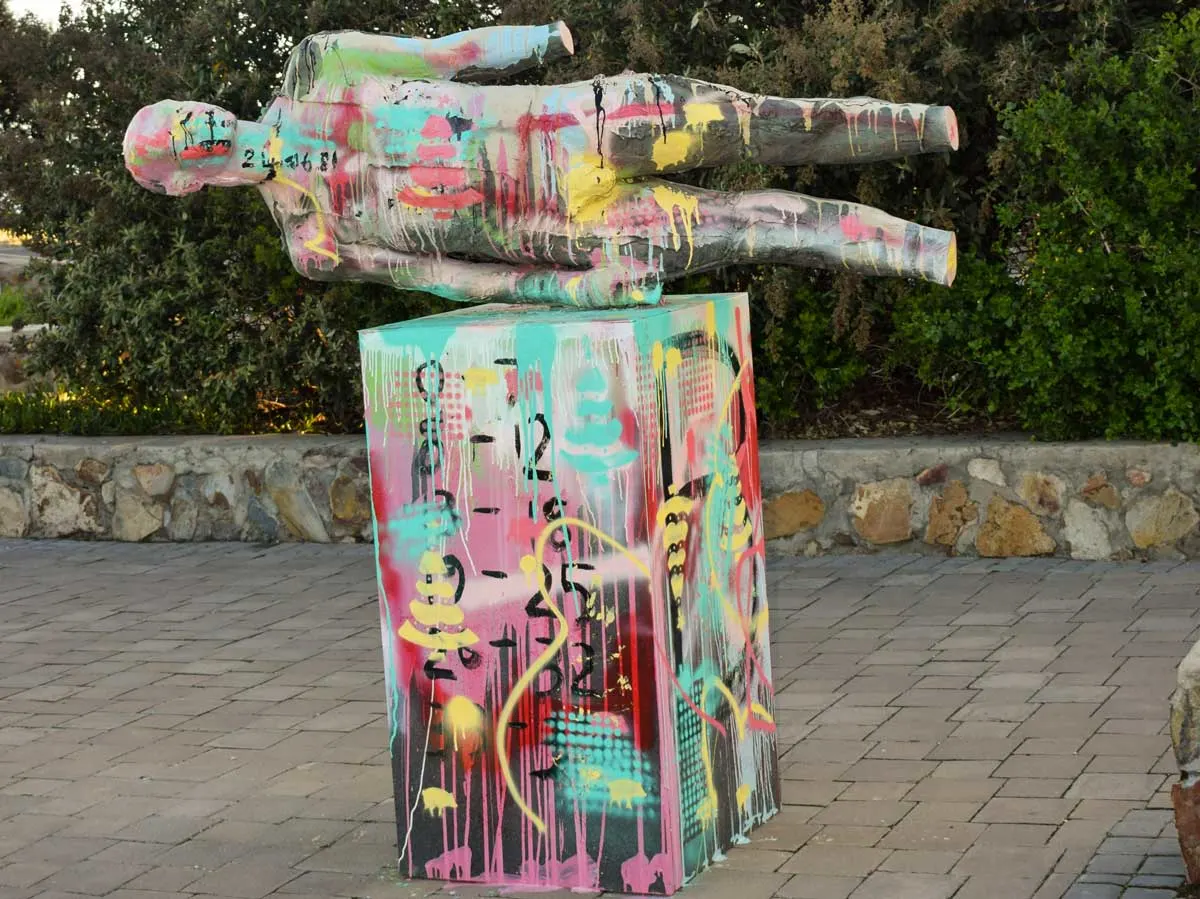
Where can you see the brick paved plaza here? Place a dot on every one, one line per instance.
(208, 720)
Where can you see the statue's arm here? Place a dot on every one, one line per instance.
(479, 53)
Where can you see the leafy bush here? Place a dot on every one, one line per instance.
(1098, 334)
(86, 415)
(191, 304)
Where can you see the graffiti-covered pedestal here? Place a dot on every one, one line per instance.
(572, 591)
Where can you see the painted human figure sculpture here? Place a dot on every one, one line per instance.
(377, 164)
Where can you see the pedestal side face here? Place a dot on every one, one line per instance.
(710, 538)
(525, 631)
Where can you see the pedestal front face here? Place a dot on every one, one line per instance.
(570, 551)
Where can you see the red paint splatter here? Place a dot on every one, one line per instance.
(543, 124)
(437, 126)
(435, 176)
(458, 58)
(428, 152)
(523, 530)
(468, 197)
(200, 151)
(639, 111)
(629, 434)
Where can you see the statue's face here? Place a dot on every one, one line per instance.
(176, 147)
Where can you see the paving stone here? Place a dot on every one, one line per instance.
(818, 886)
(886, 885)
(1094, 891)
(1156, 881)
(984, 887)
(1026, 811)
(936, 738)
(1115, 864)
(249, 878)
(1163, 865)
(920, 861)
(1115, 786)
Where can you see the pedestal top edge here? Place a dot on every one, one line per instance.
(508, 314)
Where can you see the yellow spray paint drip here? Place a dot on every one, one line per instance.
(676, 145)
(674, 360)
(674, 534)
(529, 564)
(743, 795)
(442, 640)
(465, 720)
(697, 115)
(436, 614)
(275, 151)
(433, 614)
(671, 150)
(590, 190)
(624, 792)
(316, 243)
(689, 210)
(744, 118)
(438, 800)
(477, 379)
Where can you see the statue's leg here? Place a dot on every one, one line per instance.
(667, 123)
(676, 228)
(621, 281)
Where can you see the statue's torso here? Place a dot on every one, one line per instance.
(434, 166)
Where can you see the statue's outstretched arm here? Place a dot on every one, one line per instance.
(346, 57)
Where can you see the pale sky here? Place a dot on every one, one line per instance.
(46, 10)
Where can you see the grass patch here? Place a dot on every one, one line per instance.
(12, 305)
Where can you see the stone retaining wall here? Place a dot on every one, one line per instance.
(259, 489)
(994, 497)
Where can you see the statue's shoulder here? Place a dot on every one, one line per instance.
(305, 62)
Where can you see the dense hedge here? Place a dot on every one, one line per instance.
(1075, 204)
(1086, 320)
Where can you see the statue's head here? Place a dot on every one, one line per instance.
(176, 147)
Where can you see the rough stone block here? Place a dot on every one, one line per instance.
(1185, 737)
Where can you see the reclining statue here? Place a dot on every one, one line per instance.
(381, 162)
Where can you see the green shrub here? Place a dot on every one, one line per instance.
(190, 303)
(86, 415)
(1099, 333)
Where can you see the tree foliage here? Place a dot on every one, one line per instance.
(186, 302)
(1097, 335)
(191, 301)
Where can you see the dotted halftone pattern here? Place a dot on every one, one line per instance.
(446, 409)
(594, 750)
(696, 381)
(692, 785)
